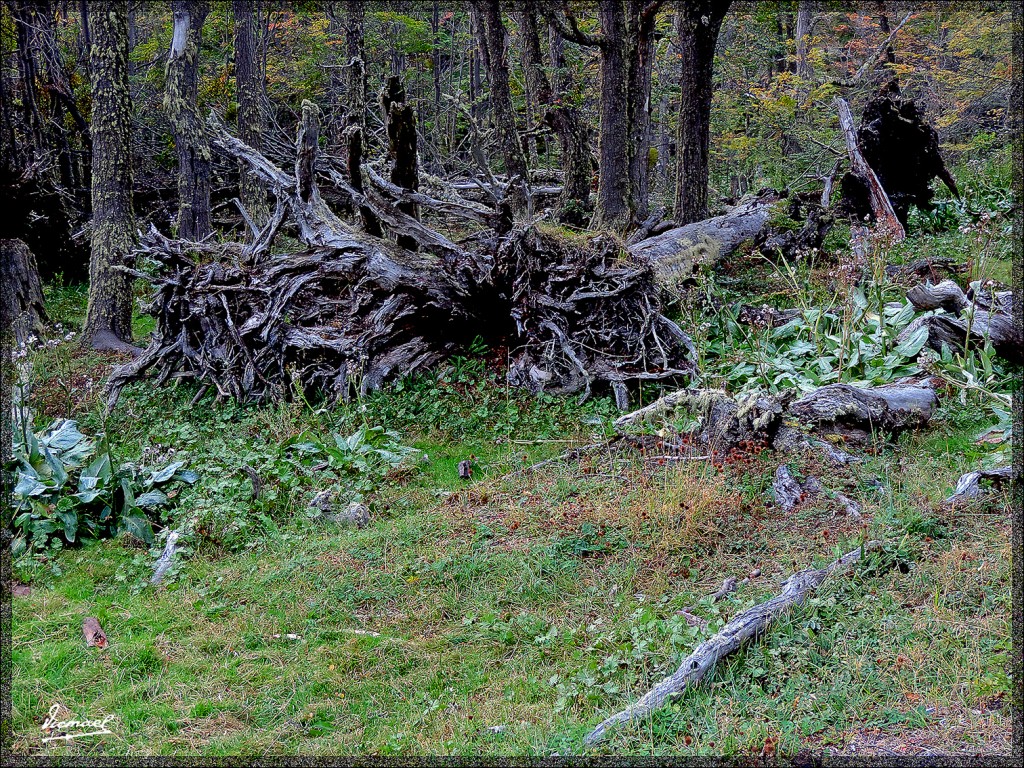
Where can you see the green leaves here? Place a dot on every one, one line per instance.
(66, 483)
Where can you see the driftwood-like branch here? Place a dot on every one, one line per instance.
(968, 487)
(747, 625)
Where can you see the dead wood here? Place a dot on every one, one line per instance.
(972, 319)
(21, 292)
(858, 412)
(749, 624)
(727, 588)
(679, 253)
(786, 491)
(354, 310)
(724, 421)
(969, 487)
(862, 184)
(93, 632)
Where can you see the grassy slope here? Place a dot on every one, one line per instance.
(514, 611)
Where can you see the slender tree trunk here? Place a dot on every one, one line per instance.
(564, 119)
(495, 46)
(252, 117)
(804, 19)
(614, 201)
(108, 323)
(180, 102)
(21, 293)
(638, 91)
(696, 43)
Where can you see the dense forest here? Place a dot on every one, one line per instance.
(510, 377)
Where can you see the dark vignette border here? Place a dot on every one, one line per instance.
(802, 759)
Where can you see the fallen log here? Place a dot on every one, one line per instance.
(724, 421)
(747, 625)
(679, 253)
(858, 412)
(964, 323)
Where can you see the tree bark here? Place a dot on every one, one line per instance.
(181, 105)
(559, 113)
(402, 149)
(108, 323)
(494, 48)
(252, 117)
(21, 293)
(677, 253)
(697, 28)
(804, 20)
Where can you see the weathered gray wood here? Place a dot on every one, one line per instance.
(968, 487)
(678, 253)
(747, 625)
(889, 408)
(946, 295)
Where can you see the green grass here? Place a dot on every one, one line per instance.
(508, 614)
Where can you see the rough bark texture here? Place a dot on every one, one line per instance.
(746, 626)
(697, 28)
(856, 411)
(494, 48)
(902, 150)
(968, 319)
(180, 103)
(252, 117)
(969, 487)
(402, 148)
(678, 253)
(21, 293)
(108, 321)
(862, 176)
(560, 115)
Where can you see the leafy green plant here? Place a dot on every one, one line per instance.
(66, 485)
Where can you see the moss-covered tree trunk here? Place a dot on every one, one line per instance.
(697, 27)
(251, 118)
(108, 323)
(180, 102)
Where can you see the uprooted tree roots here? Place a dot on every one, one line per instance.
(353, 310)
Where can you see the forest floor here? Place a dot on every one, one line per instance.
(511, 612)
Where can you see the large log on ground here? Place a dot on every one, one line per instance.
(679, 253)
(968, 319)
(858, 412)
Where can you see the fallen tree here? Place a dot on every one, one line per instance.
(969, 319)
(747, 625)
(353, 310)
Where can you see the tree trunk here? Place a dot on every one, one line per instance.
(804, 19)
(614, 199)
(21, 293)
(252, 118)
(494, 47)
(696, 43)
(564, 119)
(180, 102)
(108, 323)
(402, 149)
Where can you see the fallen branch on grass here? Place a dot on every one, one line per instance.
(750, 623)
(968, 487)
